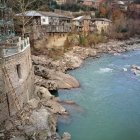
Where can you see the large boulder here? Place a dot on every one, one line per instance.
(135, 69)
(41, 124)
(71, 61)
(54, 107)
(61, 80)
(65, 81)
(44, 93)
(66, 136)
(49, 84)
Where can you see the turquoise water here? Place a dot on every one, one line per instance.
(108, 101)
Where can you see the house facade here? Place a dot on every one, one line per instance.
(83, 24)
(134, 10)
(102, 24)
(47, 23)
(119, 5)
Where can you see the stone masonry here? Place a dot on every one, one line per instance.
(16, 81)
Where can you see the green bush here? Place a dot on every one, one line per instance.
(94, 39)
(84, 40)
(67, 44)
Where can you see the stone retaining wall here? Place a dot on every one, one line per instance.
(16, 82)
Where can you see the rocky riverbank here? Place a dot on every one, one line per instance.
(37, 120)
(52, 73)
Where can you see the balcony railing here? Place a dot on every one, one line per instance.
(13, 46)
(57, 28)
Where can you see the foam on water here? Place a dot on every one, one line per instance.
(104, 70)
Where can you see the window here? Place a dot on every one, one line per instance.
(18, 68)
(44, 20)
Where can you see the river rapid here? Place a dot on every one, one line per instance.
(107, 102)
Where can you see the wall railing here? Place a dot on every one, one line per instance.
(57, 28)
(13, 46)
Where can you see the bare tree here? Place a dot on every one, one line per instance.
(21, 7)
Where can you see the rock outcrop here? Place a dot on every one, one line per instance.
(135, 69)
(66, 136)
(43, 93)
(59, 79)
(37, 120)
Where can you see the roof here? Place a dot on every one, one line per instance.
(121, 2)
(79, 18)
(30, 14)
(102, 19)
(41, 13)
(82, 18)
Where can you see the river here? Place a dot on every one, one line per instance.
(108, 101)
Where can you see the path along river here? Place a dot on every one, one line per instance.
(108, 101)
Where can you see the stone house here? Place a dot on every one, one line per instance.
(134, 10)
(102, 24)
(16, 71)
(83, 24)
(50, 23)
(119, 5)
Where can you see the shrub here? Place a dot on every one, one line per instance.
(55, 53)
(67, 44)
(94, 39)
(84, 40)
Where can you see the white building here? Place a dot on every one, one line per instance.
(102, 24)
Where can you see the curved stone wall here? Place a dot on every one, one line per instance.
(17, 82)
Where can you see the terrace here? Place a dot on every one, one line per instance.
(13, 46)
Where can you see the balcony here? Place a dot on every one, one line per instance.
(57, 28)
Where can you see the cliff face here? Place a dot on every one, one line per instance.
(37, 120)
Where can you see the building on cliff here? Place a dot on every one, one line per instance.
(83, 24)
(46, 23)
(102, 24)
(121, 5)
(16, 75)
